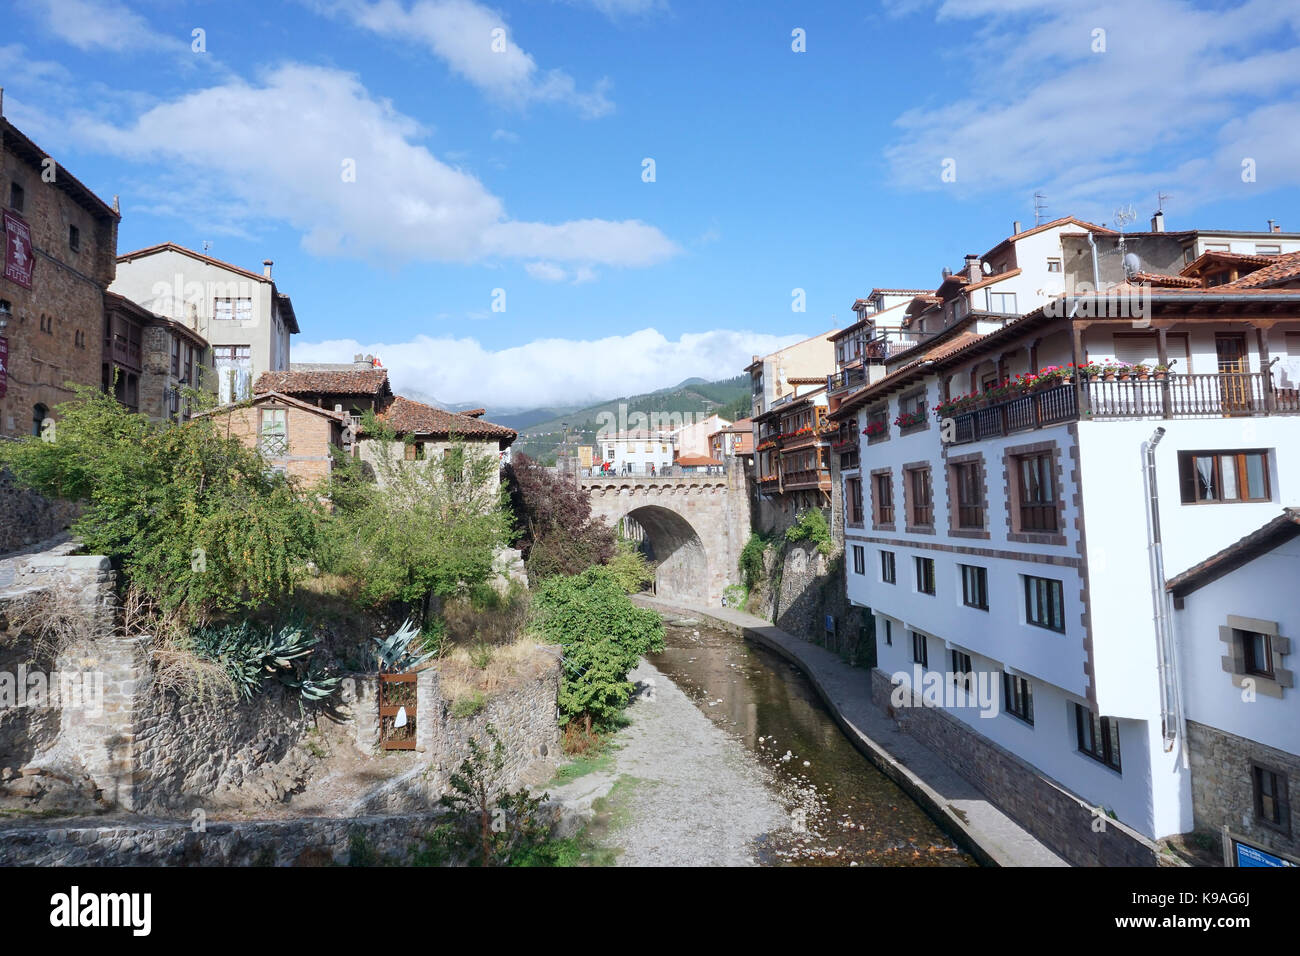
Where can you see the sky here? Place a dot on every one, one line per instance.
(548, 201)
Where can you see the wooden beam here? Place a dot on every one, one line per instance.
(1261, 339)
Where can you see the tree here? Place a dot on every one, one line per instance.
(422, 527)
(558, 534)
(198, 522)
(603, 635)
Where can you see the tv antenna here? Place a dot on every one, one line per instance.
(1161, 199)
(1124, 215)
(207, 245)
(1040, 207)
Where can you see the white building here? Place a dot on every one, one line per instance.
(635, 452)
(1009, 538)
(1237, 619)
(247, 320)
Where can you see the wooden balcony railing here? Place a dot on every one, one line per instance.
(1213, 395)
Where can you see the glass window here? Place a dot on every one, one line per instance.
(924, 575)
(1044, 603)
(1206, 477)
(1037, 493)
(974, 587)
(1018, 697)
(888, 573)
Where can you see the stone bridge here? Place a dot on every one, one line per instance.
(694, 525)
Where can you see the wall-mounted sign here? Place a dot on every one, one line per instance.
(1237, 852)
(18, 250)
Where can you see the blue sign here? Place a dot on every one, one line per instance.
(1251, 856)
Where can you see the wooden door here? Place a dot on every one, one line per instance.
(1234, 370)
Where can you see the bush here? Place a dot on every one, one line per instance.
(630, 568)
(553, 519)
(811, 525)
(252, 654)
(197, 521)
(603, 635)
(751, 560)
(468, 706)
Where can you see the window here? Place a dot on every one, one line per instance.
(1037, 493)
(974, 586)
(884, 498)
(413, 451)
(15, 197)
(39, 414)
(1045, 603)
(888, 573)
(176, 356)
(913, 405)
(1257, 650)
(1267, 249)
(859, 559)
(853, 496)
(79, 339)
(74, 238)
(1272, 805)
(924, 575)
(919, 650)
(273, 432)
(1223, 476)
(227, 309)
(1017, 697)
(889, 632)
(1053, 265)
(962, 671)
(1004, 302)
(1098, 737)
(970, 495)
(921, 505)
(877, 425)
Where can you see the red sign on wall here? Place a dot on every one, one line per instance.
(18, 250)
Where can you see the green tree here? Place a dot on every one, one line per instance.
(422, 527)
(198, 521)
(603, 635)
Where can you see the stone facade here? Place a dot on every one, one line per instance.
(310, 433)
(1062, 821)
(27, 518)
(695, 524)
(1223, 787)
(161, 387)
(55, 330)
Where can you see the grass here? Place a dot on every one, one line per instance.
(462, 674)
(468, 705)
(600, 757)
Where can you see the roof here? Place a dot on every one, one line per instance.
(1161, 279)
(1025, 233)
(260, 398)
(697, 461)
(990, 280)
(409, 417)
(1260, 541)
(369, 381)
(18, 142)
(869, 318)
(1283, 268)
(173, 247)
(741, 425)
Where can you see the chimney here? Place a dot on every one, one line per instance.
(1158, 221)
(973, 268)
(266, 267)
(1273, 226)
(358, 357)
(1015, 228)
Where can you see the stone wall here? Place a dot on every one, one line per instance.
(1223, 790)
(1061, 820)
(317, 841)
(27, 518)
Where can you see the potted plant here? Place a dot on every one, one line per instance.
(874, 429)
(1140, 370)
(908, 419)
(1161, 371)
(1122, 372)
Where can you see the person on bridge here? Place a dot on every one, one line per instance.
(652, 469)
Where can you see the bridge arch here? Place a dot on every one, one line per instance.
(682, 562)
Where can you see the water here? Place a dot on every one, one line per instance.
(843, 810)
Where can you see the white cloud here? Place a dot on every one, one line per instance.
(404, 205)
(546, 271)
(101, 25)
(463, 34)
(615, 9)
(552, 371)
(504, 136)
(1178, 97)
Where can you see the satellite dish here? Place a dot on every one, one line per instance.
(987, 267)
(1132, 264)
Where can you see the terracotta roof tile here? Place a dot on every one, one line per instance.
(1283, 268)
(407, 416)
(1160, 279)
(369, 381)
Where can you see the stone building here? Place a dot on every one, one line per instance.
(426, 433)
(151, 362)
(60, 246)
(354, 389)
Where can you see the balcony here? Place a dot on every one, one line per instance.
(810, 478)
(846, 378)
(1216, 395)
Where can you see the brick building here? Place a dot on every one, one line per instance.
(294, 437)
(60, 248)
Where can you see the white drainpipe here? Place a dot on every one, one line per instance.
(1171, 717)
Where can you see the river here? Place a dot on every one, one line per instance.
(843, 810)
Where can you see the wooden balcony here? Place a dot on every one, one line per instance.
(1214, 395)
(813, 478)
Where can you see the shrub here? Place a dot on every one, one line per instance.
(251, 654)
(811, 525)
(603, 635)
(630, 568)
(197, 521)
(468, 706)
(751, 560)
(553, 518)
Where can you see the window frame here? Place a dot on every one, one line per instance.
(1030, 581)
(918, 563)
(1018, 697)
(920, 643)
(968, 477)
(888, 567)
(963, 669)
(1280, 798)
(969, 598)
(920, 499)
(1189, 475)
(1103, 738)
(859, 559)
(1035, 511)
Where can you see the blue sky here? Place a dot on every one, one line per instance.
(521, 169)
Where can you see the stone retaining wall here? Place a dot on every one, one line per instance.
(27, 518)
(1061, 820)
(1223, 787)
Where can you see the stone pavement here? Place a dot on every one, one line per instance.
(992, 836)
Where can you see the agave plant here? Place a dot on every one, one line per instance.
(394, 653)
(250, 656)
